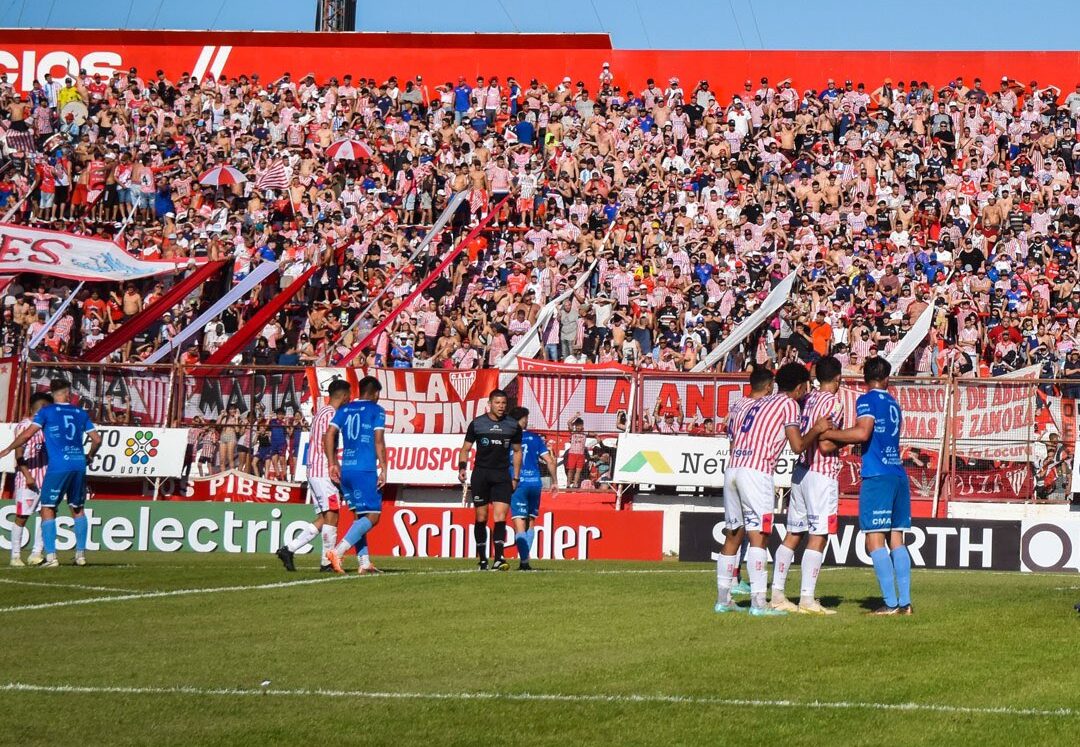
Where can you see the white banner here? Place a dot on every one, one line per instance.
(685, 461)
(260, 273)
(411, 458)
(65, 255)
(529, 345)
(912, 339)
(126, 451)
(772, 303)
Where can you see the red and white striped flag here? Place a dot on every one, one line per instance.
(274, 177)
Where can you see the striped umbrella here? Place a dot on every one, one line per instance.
(222, 176)
(348, 150)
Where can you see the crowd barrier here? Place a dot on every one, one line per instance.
(962, 439)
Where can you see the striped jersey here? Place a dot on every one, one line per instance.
(34, 454)
(819, 404)
(316, 455)
(758, 433)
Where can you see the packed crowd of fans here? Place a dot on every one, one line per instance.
(693, 203)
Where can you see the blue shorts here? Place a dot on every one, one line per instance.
(360, 490)
(525, 502)
(57, 485)
(884, 503)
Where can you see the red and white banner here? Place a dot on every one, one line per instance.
(65, 255)
(994, 421)
(598, 392)
(560, 535)
(240, 487)
(419, 400)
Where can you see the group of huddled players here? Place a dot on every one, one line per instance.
(807, 420)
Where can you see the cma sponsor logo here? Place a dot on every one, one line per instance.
(21, 68)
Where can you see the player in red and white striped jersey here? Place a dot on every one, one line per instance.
(815, 495)
(758, 438)
(761, 386)
(31, 460)
(322, 491)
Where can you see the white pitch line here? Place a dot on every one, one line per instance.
(67, 586)
(215, 590)
(548, 697)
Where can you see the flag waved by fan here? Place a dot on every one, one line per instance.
(275, 176)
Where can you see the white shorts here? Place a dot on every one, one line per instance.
(26, 501)
(815, 499)
(748, 499)
(325, 495)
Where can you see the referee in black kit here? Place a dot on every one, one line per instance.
(493, 482)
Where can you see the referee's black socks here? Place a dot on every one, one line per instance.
(480, 535)
(499, 539)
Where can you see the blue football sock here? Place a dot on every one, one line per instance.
(901, 560)
(82, 527)
(521, 539)
(530, 535)
(883, 568)
(48, 535)
(356, 532)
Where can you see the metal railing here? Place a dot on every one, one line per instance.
(963, 438)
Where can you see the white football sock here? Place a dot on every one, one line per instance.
(757, 566)
(738, 562)
(39, 541)
(781, 564)
(811, 566)
(725, 571)
(16, 541)
(329, 539)
(305, 537)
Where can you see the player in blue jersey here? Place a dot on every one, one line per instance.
(361, 472)
(525, 501)
(64, 426)
(884, 496)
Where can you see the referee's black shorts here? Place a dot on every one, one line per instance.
(491, 486)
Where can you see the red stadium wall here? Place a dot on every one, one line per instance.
(25, 53)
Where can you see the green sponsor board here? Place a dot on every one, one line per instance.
(175, 526)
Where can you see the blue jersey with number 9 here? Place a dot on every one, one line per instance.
(881, 454)
(357, 422)
(64, 425)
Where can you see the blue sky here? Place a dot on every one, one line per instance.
(633, 24)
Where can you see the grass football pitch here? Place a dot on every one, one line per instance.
(216, 649)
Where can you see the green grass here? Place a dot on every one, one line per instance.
(978, 640)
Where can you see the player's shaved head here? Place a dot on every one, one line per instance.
(59, 385)
(519, 412)
(761, 378)
(495, 394)
(876, 370)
